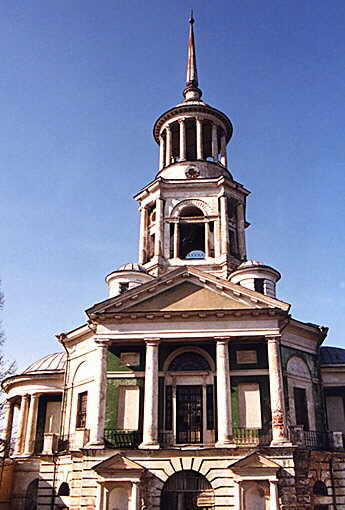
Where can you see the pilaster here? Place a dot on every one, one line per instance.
(150, 428)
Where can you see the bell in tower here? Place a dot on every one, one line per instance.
(193, 213)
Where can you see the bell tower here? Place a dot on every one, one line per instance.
(193, 212)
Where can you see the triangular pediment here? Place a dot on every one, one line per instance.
(254, 462)
(187, 289)
(117, 463)
(188, 295)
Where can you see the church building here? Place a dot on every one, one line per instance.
(191, 386)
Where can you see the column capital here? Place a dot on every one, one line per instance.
(168, 127)
(181, 120)
(152, 340)
(35, 395)
(273, 338)
(222, 339)
(102, 343)
(26, 396)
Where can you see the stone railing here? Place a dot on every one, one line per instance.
(114, 438)
(251, 437)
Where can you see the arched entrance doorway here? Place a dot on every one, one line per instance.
(187, 490)
(31, 495)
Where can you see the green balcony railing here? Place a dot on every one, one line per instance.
(122, 438)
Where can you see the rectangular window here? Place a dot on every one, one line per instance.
(210, 406)
(168, 408)
(123, 287)
(81, 410)
(301, 408)
(259, 285)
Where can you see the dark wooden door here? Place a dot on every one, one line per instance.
(189, 414)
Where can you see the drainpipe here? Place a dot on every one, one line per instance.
(64, 393)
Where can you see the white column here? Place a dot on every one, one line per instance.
(150, 428)
(168, 146)
(274, 501)
(134, 496)
(207, 239)
(143, 231)
(279, 432)
(241, 230)
(223, 394)
(161, 152)
(96, 412)
(30, 436)
(224, 225)
(8, 410)
(182, 139)
(176, 239)
(23, 412)
(159, 227)
(199, 140)
(214, 142)
(223, 157)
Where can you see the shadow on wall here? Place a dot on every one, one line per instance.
(38, 493)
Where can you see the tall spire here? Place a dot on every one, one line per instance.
(192, 91)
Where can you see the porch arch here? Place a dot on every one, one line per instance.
(187, 489)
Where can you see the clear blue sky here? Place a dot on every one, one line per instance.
(81, 85)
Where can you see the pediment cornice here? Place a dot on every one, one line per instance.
(250, 301)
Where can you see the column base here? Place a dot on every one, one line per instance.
(149, 446)
(99, 445)
(225, 444)
(280, 442)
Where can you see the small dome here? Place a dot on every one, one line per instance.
(256, 275)
(250, 263)
(132, 267)
(51, 363)
(332, 356)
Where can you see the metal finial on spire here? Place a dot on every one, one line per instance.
(191, 19)
(191, 92)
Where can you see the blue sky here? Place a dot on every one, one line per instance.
(81, 85)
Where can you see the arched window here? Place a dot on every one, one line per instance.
(64, 489)
(189, 361)
(192, 234)
(320, 489)
(31, 495)
(184, 490)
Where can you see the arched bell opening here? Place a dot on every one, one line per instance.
(191, 139)
(207, 141)
(187, 490)
(175, 142)
(192, 234)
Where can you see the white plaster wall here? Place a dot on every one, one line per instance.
(53, 414)
(128, 408)
(249, 405)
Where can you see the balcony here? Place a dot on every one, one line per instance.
(315, 440)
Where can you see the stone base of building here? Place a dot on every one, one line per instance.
(134, 480)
